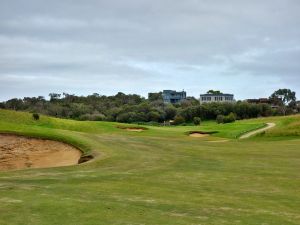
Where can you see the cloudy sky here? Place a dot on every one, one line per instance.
(249, 48)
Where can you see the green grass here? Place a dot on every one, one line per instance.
(158, 176)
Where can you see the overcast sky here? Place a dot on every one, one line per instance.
(248, 48)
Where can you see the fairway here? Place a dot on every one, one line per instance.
(157, 175)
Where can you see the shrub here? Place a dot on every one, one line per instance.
(154, 116)
(220, 119)
(197, 121)
(178, 120)
(125, 117)
(36, 116)
(230, 118)
(93, 117)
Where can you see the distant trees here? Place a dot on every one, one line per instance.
(214, 92)
(15, 104)
(283, 96)
(178, 120)
(136, 109)
(155, 96)
(54, 96)
(285, 99)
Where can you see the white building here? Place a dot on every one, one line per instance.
(208, 98)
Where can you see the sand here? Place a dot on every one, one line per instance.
(18, 152)
(135, 129)
(198, 135)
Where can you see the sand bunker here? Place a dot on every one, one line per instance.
(198, 135)
(20, 152)
(135, 129)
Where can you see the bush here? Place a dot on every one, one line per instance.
(125, 117)
(230, 118)
(178, 120)
(93, 117)
(220, 119)
(197, 121)
(154, 116)
(36, 116)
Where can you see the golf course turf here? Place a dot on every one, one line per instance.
(157, 176)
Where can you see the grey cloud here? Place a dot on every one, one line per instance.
(141, 45)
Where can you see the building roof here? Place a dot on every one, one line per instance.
(172, 91)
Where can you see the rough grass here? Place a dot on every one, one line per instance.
(159, 176)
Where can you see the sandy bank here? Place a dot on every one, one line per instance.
(198, 135)
(20, 152)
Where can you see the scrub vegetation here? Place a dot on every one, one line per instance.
(133, 108)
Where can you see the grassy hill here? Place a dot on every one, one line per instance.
(158, 176)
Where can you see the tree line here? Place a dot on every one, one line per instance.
(133, 108)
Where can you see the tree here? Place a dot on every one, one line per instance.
(178, 120)
(54, 96)
(283, 97)
(170, 112)
(214, 92)
(125, 117)
(230, 118)
(197, 121)
(15, 104)
(220, 119)
(154, 116)
(155, 96)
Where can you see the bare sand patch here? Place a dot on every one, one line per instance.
(18, 152)
(132, 129)
(198, 135)
(135, 129)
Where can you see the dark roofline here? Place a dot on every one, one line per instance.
(173, 91)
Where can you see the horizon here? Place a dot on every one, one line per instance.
(250, 49)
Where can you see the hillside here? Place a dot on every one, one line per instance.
(157, 176)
